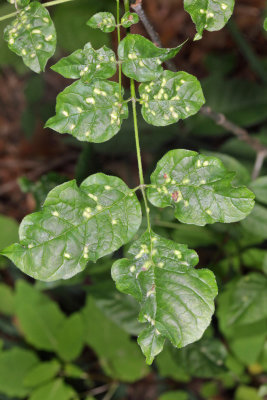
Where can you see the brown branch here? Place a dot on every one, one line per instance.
(219, 118)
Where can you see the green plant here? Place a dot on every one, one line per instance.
(86, 223)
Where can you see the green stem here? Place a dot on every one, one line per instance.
(138, 152)
(119, 40)
(126, 5)
(49, 4)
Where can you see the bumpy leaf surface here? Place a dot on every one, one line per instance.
(129, 19)
(209, 14)
(88, 64)
(176, 300)
(32, 36)
(175, 95)
(141, 59)
(199, 189)
(102, 20)
(20, 3)
(77, 224)
(90, 112)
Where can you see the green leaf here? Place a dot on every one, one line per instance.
(54, 390)
(104, 21)
(71, 337)
(76, 225)
(242, 176)
(255, 258)
(120, 308)
(88, 64)
(75, 372)
(255, 223)
(32, 36)
(174, 395)
(42, 373)
(265, 24)
(204, 359)
(129, 19)
(8, 231)
(7, 302)
(90, 112)
(174, 96)
(141, 59)
(209, 14)
(247, 343)
(247, 393)
(246, 301)
(20, 3)
(14, 367)
(199, 188)
(40, 319)
(259, 187)
(243, 102)
(169, 368)
(194, 236)
(119, 356)
(176, 300)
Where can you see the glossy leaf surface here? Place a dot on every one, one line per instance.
(104, 21)
(88, 64)
(199, 189)
(176, 300)
(174, 96)
(20, 3)
(32, 36)
(129, 19)
(141, 59)
(209, 14)
(76, 225)
(90, 112)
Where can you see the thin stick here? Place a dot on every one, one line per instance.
(119, 40)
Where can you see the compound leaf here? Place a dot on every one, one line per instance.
(175, 95)
(32, 36)
(176, 300)
(209, 14)
(77, 224)
(129, 19)
(104, 21)
(90, 112)
(141, 59)
(199, 189)
(88, 64)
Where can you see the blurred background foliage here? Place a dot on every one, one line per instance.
(75, 339)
